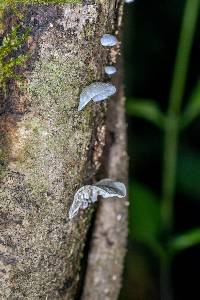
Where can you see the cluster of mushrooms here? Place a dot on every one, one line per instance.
(98, 91)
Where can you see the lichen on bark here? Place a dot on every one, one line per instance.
(48, 149)
(11, 2)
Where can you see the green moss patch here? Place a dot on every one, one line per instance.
(9, 59)
(5, 2)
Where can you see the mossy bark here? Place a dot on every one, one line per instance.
(48, 149)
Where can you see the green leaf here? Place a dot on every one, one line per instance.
(185, 240)
(144, 213)
(192, 109)
(146, 109)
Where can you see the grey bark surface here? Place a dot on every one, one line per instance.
(49, 150)
(108, 245)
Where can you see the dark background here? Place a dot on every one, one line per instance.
(151, 31)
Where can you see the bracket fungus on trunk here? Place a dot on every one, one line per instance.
(106, 188)
(96, 91)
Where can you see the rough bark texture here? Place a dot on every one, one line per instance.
(108, 246)
(48, 149)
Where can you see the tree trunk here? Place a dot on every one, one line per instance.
(48, 149)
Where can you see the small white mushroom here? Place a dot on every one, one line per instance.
(108, 40)
(110, 70)
(87, 194)
(96, 91)
(129, 1)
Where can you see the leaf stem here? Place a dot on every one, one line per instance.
(165, 279)
(183, 55)
(171, 134)
(173, 115)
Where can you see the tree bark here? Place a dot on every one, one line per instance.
(108, 245)
(49, 149)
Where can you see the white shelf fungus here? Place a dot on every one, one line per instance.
(96, 91)
(87, 194)
(108, 40)
(129, 1)
(110, 70)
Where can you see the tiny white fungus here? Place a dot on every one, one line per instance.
(108, 40)
(96, 91)
(110, 70)
(87, 194)
(129, 1)
(119, 217)
(114, 278)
